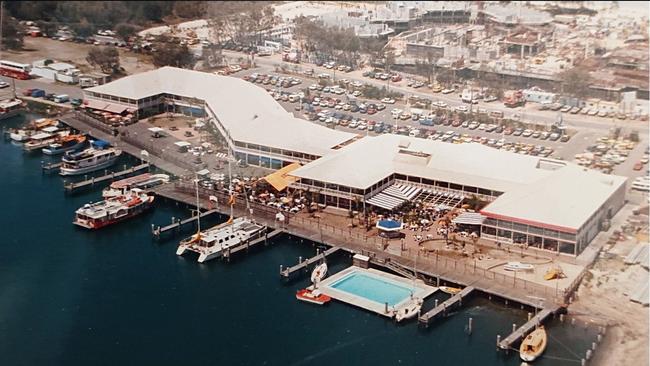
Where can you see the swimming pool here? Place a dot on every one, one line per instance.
(374, 288)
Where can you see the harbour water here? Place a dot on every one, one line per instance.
(75, 297)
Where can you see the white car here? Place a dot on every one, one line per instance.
(440, 104)
(462, 108)
(447, 91)
(4, 84)
(353, 124)
(388, 101)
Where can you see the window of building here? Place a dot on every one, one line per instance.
(486, 192)
(253, 159)
(318, 183)
(519, 238)
(520, 227)
(306, 181)
(455, 186)
(428, 182)
(551, 233)
(489, 230)
(567, 247)
(567, 236)
(276, 164)
(400, 176)
(470, 189)
(504, 233)
(253, 146)
(442, 184)
(490, 222)
(505, 224)
(413, 179)
(535, 241)
(550, 244)
(265, 162)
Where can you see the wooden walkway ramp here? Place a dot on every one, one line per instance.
(442, 308)
(156, 231)
(286, 272)
(244, 246)
(528, 327)
(70, 187)
(50, 167)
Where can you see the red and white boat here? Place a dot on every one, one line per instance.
(113, 210)
(312, 296)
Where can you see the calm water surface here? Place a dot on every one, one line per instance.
(115, 297)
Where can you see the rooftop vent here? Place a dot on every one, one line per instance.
(548, 164)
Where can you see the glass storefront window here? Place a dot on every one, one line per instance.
(567, 247)
(504, 233)
(550, 244)
(535, 241)
(489, 230)
(519, 238)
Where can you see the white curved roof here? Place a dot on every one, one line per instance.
(248, 112)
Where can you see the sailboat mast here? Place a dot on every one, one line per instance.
(230, 186)
(198, 207)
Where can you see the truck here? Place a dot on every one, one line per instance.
(61, 98)
(38, 93)
(513, 99)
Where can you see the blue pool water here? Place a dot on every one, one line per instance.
(373, 288)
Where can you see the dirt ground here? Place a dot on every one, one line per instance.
(603, 298)
(38, 48)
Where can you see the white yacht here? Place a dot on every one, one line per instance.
(212, 243)
(97, 157)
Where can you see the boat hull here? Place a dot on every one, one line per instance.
(98, 225)
(306, 296)
(10, 114)
(59, 151)
(88, 169)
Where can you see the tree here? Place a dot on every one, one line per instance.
(83, 28)
(107, 58)
(47, 28)
(12, 34)
(189, 9)
(575, 81)
(171, 53)
(125, 31)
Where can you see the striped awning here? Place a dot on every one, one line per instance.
(469, 218)
(394, 196)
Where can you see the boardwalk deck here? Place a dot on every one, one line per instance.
(528, 327)
(442, 308)
(286, 272)
(72, 186)
(231, 251)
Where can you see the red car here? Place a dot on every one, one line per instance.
(638, 166)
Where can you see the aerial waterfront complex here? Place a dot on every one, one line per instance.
(319, 183)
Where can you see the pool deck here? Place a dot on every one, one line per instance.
(423, 291)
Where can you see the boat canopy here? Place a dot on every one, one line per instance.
(101, 144)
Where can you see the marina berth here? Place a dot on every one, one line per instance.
(24, 134)
(98, 156)
(113, 210)
(141, 181)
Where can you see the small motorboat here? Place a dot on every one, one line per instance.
(449, 290)
(319, 273)
(409, 311)
(533, 345)
(518, 266)
(554, 273)
(312, 296)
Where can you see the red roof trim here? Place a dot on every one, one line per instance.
(530, 222)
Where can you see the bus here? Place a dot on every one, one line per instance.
(14, 69)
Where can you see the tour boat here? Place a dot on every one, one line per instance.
(312, 296)
(518, 266)
(65, 143)
(533, 345)
(113, 210)
(11, 107)
(319, 273)
(408, 311)
(97, 157)
(449, 290)
(142, 181)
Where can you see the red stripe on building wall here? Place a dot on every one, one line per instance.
(530, 222)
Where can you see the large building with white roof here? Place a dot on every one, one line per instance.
(539, 202)
(544, 203)
(257, 128)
